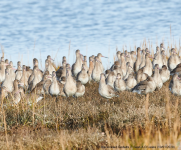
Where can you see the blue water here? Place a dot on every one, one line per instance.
(31, 28)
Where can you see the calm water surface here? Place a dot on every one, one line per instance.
(32, 28)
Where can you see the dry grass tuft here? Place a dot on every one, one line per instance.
(91, 121)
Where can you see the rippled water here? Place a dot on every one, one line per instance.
(37, 28)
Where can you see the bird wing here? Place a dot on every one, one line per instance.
(142, 85)
(78, 74)
(41, 71)
(72, 69)
(30, 78)
(30, 86)
(176, 70)
(59, 72)
(38, 87)
(110, 90)
(17, 70)
(47, 85)
(145, 82)
(39, 84)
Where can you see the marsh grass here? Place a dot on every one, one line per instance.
(91, 121)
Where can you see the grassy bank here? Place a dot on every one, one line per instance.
(92, 121)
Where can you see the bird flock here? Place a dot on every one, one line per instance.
(135, 72)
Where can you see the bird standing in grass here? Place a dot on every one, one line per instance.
(19, 71)
(49, 65)
(24, 78)
(80, 89)
(97, 70)
(129, 70)
(157, 77)
(123, 64)
(173, 60)
(2, 71)
(148, 68)
(70, 87)
(110, 79)
(164, 58)
(61, 72)
(8, 83)
(105, 90)
(91, 67)
(36, 78)
(99, 56)
(119, 84)
(175, 85)
(77, 66)
(38, 89)
(165, 74)
(158, 58)
(16, 94)
(85, 63)
(83, 75)
(12, 73)
(141, 76)
(54, 88)
(146, 86)
(138, 60)
(130, 82)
